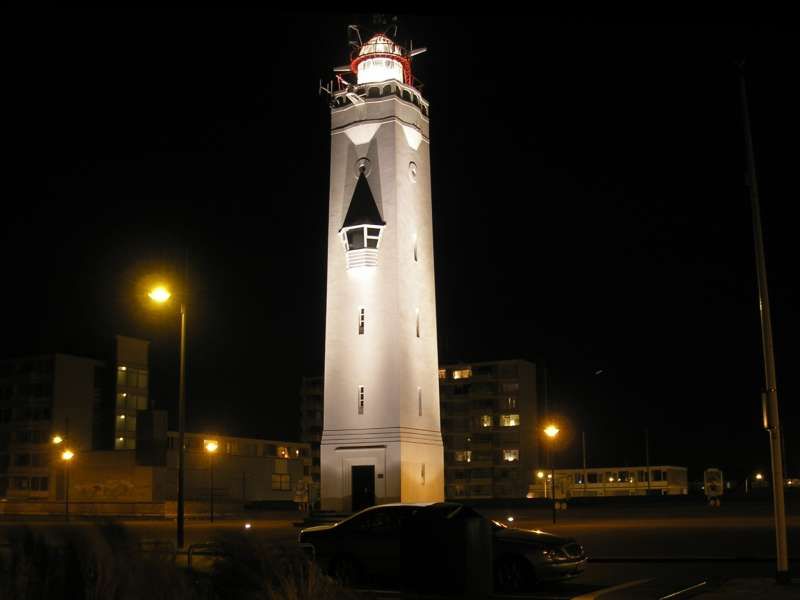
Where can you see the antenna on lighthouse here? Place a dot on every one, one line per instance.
(351, 29)
(328, 89)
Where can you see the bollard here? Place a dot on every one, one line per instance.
(449, 557)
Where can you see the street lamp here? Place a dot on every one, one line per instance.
(160, 295)
(551, 431)
(66, 456)
(769, 397)
(211, 448)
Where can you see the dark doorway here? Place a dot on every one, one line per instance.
(363, 478)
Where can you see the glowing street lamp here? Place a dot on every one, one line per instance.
(67, 455)
(211, 447)
(160, 295)
(551, 431)
(57, 439)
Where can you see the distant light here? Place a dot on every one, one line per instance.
(122, 416)
(120, 439)
(549, 475)
(159, 294)
(540, 474)
(759, 476)
(297, 452)
(57, 439)
(551, 431)
(611, 480)
(67, 454)
(123, 368)
(247, 525)
(510, 519)
(211, 445)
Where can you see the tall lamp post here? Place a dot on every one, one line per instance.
(66, 456)
(161, 295)
(551, 431)
(211, 448)
(769, 397)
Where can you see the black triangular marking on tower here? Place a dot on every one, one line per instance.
(363, 210)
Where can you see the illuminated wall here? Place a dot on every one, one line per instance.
(393, 364)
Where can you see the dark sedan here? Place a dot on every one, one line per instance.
(373, 545)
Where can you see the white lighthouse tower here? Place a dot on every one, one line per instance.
(381, 439)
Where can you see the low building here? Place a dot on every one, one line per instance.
(610, 481)
(245, 469)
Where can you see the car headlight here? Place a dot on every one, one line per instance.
(554, 555)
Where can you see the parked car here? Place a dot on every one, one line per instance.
(374, 546)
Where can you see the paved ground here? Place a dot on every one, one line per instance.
(651, 554)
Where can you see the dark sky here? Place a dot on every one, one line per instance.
(588, 202)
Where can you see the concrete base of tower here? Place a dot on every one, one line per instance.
(355, 476)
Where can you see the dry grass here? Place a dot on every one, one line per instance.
(106, 563)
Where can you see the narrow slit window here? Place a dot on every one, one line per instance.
(361, 319)
(419, 400)
(361, 399)
(417, 322)
(416, 257)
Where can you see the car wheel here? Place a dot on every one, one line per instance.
(511, 574)
(345, 570)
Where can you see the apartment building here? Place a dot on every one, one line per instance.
(41, 397)
(489, 424)
(311, 408)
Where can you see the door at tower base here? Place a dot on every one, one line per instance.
(362, 485)
(401, 472)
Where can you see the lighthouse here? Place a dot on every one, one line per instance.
(381, 439)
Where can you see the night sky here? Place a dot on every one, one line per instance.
(589, 206)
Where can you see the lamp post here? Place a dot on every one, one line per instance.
(769, 398)
(540, 475)
(211, 448)
(551, 431)
(161, 295)
(66, 456)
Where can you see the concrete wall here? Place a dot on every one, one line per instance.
(110, 476)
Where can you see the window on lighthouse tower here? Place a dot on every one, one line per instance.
(361, 318)
(362, 227)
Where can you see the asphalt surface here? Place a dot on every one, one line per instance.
(635, 552)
